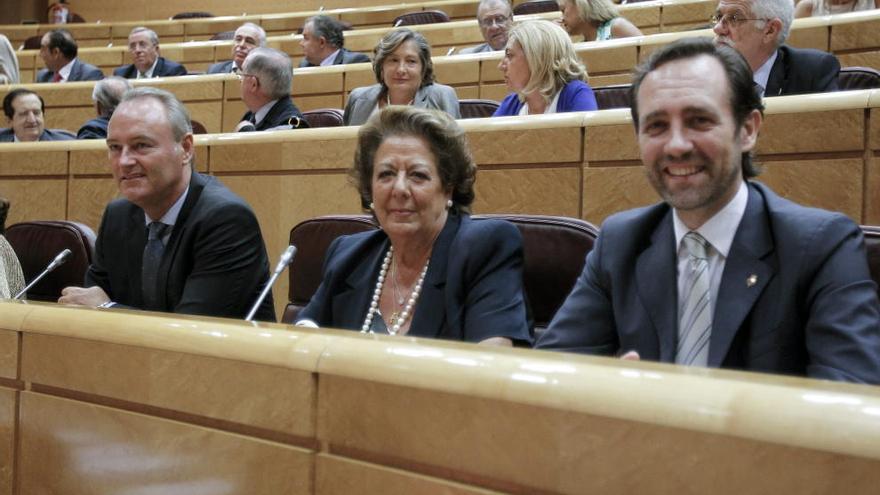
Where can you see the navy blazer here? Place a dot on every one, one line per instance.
(221, 67)
(472, 291)
(282, 113)
(343, 57)
(810, 309)
(798, 71)
(7, 135)
(214, 264)
(80, 71)
(164, 68)
(94, 129)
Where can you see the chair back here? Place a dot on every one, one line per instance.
(476, 109)
(32, 42)
(536, 7)
(36, 244)
(223, 36)
(198, 127)
(324, 117)
(192, 15)
(554, 249)
(851, 78)
(872, 250)
(615, 96)
(421, 17)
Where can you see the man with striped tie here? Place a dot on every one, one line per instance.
(724, 272)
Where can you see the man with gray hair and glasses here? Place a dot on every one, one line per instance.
(177, 241)
(266, 79)
(495, 18)
(247, 37)
(106, 95)
(758, 30)
(143, 45)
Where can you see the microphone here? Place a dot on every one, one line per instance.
(58, 261)
(286, 258)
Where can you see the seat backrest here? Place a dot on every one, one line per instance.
(536, 7)
(324, 117)
(476, 109)
(615, 96)
(37, 243)
(851, 78)
(74, 18)
(224, 35)
(872, 248)
(32, 42)
(554, 249)
(421, 17)
(198, 127)
(192, 15)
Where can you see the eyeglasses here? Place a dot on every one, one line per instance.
(499, 20)
(731, 20)
(242, 75)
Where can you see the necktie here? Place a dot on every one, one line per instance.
(56, 77)
(142, 75)
(695, 312)
(150, 265)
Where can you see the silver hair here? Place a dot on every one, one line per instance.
(273, 68)
(775, 9)
(154, 38)
(261, 33)
(178, 116)
(108, 93)
(487, 3)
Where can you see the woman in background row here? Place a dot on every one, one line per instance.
(595, 20)
(405, 76)
(430, 271)
(545, 74)
(11, 276)
(8, 62)
(816, 8)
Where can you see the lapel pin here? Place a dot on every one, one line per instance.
(752, 280)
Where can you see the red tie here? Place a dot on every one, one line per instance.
(56, 77)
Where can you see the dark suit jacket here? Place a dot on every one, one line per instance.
(94, 129)
(7, 135)
(343, 57)
(214, 264)
(798, 71)
(283, 112)
(812, 311)
(80, 71)
(221, 68)
(472, 291)
(164, 68)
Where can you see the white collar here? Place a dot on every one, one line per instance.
(170, 216)
(721, 228)
(149, 73)
(261, 113)
(762, 75)
(330, 59)
(551, 107)
(65, 71)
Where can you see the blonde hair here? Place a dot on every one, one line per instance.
(552, 60)
(598, 11)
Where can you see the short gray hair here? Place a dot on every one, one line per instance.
(178, 116)
(261, 33)
(328, 28)
(108, 93)
(487, 3)
(273, 68)
(775, 9)
(154, 38)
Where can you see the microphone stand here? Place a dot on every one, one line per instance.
(286, 258)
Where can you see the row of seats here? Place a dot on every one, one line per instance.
(554, 247)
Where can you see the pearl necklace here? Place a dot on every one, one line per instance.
(397, 322)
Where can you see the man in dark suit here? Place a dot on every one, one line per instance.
(324, 44)
(106, 95)
(143, 45)
(724, 273)
(24, 114)
(266, 80)
(247, 37)
(58, 50)
(178, 241)
(758, 29)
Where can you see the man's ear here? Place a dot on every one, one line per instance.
(772, 28)
(188, 146)
(748, 132)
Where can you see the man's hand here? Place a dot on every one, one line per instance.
(92, 297)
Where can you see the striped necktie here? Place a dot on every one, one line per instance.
(695, 311)
(150, 265)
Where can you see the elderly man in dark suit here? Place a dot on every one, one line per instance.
(177, 241)
(758, 30)
(247, 37)
(107, 94)
(323, 44)
(143, 45)
(723, 273)
(266, 80)
(24, 113)
(58, 50)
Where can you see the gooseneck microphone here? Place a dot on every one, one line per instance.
(58, 261)
(286, 258)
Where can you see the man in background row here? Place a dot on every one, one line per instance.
(24, 114)
(58, 50)
(247, 37)
(495, 18)
(324, 44)
(106, 95)
(266, 81)
(143, 45)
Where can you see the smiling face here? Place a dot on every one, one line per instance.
(143, 52)
(150, 168)
(402, 69)
(688, 138)
(515, 67)
(27, 119)
(246, 39)
(409, 199)
(495, 19)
